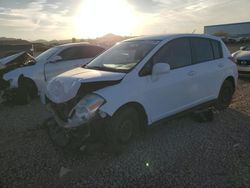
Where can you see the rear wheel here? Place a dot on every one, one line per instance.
(225, 95)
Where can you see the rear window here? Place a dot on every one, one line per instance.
(202, 50)
(216, 45)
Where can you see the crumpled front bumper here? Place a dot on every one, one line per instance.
(93, 127)
(244, 71)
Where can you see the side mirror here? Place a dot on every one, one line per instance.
(160, 68)
(242, 48)
(55, 59)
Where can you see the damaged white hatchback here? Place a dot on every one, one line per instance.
(26, 77)
(137, 83)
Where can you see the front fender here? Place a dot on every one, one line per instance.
(12, 77)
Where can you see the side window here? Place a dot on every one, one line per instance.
(201, 49)
(71, 53)
(216, 45)
(92, 51)
(176, 53)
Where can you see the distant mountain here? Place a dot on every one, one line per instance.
(12, 41)
(40, 41)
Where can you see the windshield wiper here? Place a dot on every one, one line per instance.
(106, 69)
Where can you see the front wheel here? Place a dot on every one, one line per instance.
(122, 125)
(26, 91)
(225, 95)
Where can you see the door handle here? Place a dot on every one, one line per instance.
(191, 73)
(220, 65)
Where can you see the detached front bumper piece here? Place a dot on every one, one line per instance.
(68, 139)
(75, 138)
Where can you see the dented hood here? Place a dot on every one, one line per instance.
(14, 61)
(10, 58)
(64, 87)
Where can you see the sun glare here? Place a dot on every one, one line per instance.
(97, 17)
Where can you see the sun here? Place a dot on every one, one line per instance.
(95, 18)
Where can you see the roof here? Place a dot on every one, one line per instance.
(76, 44)
(229, 24)
(168, 36)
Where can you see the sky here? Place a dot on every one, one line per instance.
(64, 19)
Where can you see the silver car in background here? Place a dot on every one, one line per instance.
(242, 58)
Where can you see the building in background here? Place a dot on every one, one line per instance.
(234, 32)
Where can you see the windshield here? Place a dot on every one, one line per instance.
(47, 54)
(123, 57)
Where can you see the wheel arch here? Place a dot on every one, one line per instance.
(22, 78)
(232, 80)
(140, 109)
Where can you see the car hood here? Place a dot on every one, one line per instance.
(65, 87)
(242, 55)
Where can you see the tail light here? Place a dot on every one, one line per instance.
(231, 58)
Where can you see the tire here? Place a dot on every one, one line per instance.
(26, 91)
(22, 96)
(122, 126)
(225, 95)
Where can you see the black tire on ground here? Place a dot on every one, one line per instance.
(26, 91)
(122, 126)
(203, 116)
(225, 95)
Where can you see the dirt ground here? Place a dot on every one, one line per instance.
(177, 153)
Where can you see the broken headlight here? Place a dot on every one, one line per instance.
(85, 110)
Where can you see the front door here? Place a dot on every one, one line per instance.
(71, 58)
(171, 92)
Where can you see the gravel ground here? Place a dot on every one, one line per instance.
(176, 153)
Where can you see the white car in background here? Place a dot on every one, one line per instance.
(242, 58)
(137, 83)
(29, 81)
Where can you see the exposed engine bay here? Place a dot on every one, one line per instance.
(12, 62)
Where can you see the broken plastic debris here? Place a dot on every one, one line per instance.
(63, 171)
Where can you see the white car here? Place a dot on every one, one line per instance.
(139, 82)
(30, 80)
(242, 58)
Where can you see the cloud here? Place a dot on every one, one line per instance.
(50, 19)
(146, 6)
(184, 16)
(37, 18)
